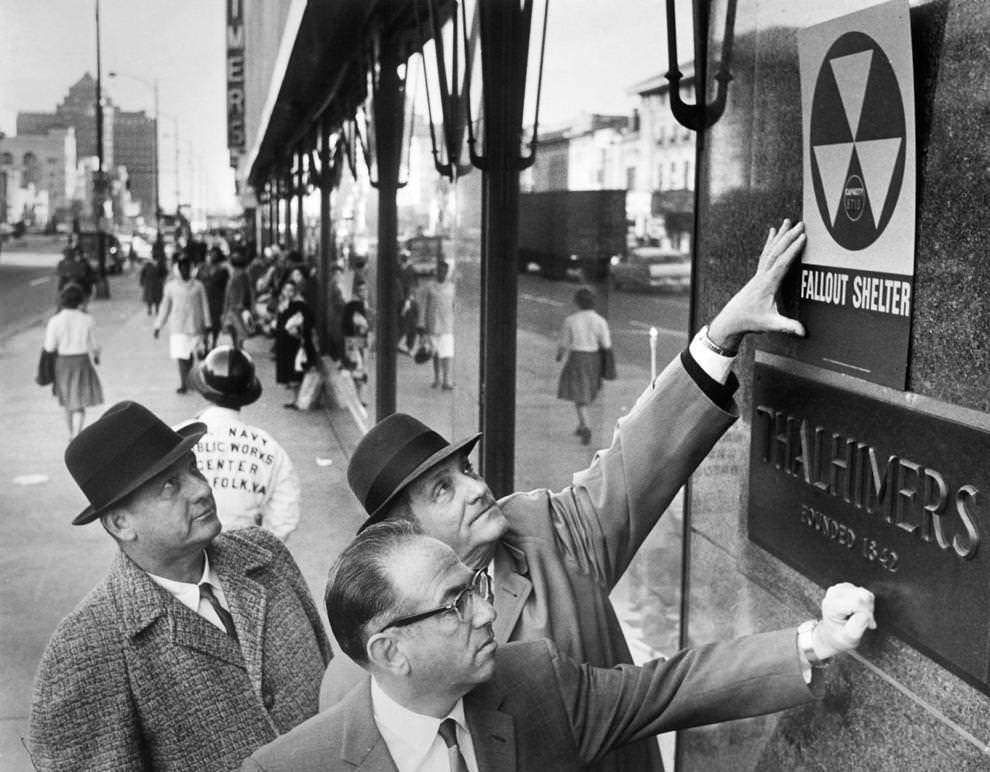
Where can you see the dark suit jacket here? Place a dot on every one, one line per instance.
(566, 550)
(543, 711)
(132, 679)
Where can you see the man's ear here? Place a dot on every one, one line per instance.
(117, 523)
(385, 652)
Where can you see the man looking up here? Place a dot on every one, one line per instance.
(197, 647)
(555, 556)
(443, 695)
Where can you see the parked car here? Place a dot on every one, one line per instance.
(88, 242)
(652, 268)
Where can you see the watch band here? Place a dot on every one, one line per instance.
(711, 345)
(806, 644)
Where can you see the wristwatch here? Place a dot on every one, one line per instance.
(806, 645)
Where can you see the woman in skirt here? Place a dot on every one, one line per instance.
(70, 336)
(584, 332)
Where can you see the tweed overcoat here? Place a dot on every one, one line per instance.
(134, 680)
(543, 711)
(566, 550)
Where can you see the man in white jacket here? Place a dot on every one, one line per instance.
(252, 477)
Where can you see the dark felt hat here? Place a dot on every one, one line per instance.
(226, 376)
(117, 454)
(391, 455)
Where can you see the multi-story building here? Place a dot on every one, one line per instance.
(77, 110)
(587, 155)
(648, 154)
(134, 149)
(40, 177)
(128, 143)
(659, 155)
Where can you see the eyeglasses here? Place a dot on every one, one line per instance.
(462, 605)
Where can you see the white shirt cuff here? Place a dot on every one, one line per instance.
(715, 365)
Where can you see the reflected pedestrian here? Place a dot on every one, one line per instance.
(70, 336)
(406, 283)
(357, 325)
(582, 336)
(437, 320)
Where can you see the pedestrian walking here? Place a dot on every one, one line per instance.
(252, 477)
(70, 335)
(406, 283)
(214, 276)
(437, 321)
(294, 349)
(185, 309)
(583, 336)
(152, 280)
(238, 300)
(74, 268)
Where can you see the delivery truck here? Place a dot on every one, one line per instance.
(572, 230)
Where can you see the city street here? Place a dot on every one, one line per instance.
(48, 565)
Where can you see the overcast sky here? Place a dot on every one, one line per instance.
(596, 50)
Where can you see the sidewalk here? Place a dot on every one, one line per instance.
(48, 565)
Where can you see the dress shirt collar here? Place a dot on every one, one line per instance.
(188, 593)
(410, 736)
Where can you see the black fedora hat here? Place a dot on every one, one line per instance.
(391, 455)
(226, 376)
(122, 450)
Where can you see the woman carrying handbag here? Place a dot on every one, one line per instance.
(583, 338)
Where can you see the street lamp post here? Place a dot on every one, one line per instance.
(99, 187)
(153, 85)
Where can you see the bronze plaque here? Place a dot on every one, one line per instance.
(845, 487)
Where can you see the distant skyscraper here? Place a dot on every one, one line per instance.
(128, 137)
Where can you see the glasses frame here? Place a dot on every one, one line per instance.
(481, 587)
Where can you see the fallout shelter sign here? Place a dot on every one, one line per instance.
(857, 272)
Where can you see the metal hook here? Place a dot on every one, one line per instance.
(700, 115)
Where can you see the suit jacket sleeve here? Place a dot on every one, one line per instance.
(601, 520)
(749, 676)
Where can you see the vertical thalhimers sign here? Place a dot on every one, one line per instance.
(235, 80)
(857, 273)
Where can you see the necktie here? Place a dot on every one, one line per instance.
(448, 731)
(206, 591)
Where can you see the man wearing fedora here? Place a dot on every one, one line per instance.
(197, 647)
(555, 556)
(252, 477)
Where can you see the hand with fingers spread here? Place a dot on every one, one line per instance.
(847, 613)
(754, 307)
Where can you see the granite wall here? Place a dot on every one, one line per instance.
(889, 706)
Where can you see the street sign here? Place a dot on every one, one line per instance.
(857, 272)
